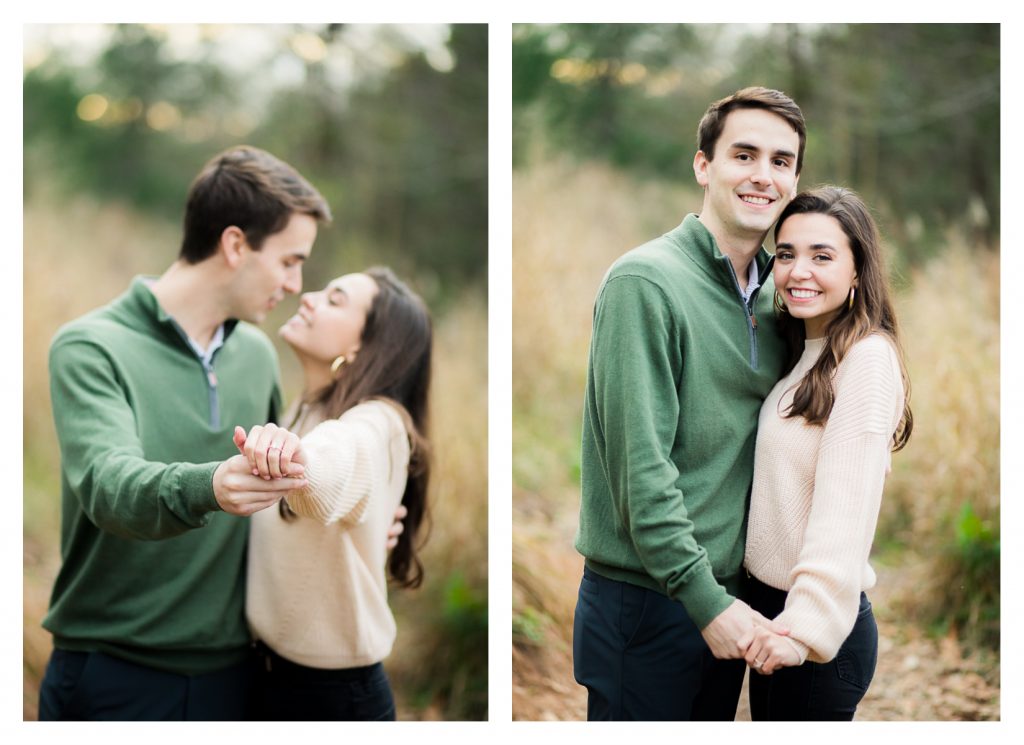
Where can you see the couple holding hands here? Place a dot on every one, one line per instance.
(222, 558)
(740, 413)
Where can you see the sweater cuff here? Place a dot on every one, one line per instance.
(703, 597)
(195, 489)
(802, 649)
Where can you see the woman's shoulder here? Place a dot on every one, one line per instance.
(383, 414)
(871, 363)
(874, 349)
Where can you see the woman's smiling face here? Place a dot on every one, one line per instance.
(814, 269)
(330, 322)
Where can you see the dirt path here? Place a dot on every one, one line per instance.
(918, 678)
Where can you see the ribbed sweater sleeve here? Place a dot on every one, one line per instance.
(852, 462)
(347, 460)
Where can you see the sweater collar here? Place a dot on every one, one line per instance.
(696, 241)
(143, 308)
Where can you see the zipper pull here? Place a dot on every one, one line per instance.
(211, 377)
(753, 320)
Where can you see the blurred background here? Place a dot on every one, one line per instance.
(390, 124)
(604, 133)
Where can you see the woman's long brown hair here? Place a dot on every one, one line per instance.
(872, 311)
(393, 364)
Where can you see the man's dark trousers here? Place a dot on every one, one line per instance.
(96, 686)
(642, 658)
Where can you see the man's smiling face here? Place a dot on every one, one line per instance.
(752, 175)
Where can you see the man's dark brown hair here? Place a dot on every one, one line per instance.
(250, 189)
(777, 102)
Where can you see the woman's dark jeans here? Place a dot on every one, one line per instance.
(285, 691)
(814, 691)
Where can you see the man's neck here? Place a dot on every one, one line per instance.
(191, 295)
(741, 250)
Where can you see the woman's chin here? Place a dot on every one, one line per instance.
(288, 335)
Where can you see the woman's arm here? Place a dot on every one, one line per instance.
(853, 459)
(344, 461)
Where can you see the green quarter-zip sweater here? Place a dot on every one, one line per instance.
(152, 570)
(679, 365)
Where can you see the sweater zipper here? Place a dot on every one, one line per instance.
(211, 376)
(211, 382)
(748, 310)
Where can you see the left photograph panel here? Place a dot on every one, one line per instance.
(255, 372)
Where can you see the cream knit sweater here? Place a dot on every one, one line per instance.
(317, 590)
(817, 491)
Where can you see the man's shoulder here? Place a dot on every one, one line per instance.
(100, 326)
(661, 262)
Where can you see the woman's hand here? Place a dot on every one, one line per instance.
(768, 651)
(273, 452)
(239, 492)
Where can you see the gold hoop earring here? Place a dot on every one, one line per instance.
(777, 303)
(336, 365)
(853, 291)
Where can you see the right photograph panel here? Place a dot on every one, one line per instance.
(756, 393)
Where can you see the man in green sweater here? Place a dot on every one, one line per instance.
(682, 355)
(147, 612)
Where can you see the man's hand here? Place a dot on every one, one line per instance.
(767, 651)
(733, 624)
(238, 492)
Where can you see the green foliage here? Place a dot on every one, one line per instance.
(594, 82)
(907, 114)
(400, 155)
(528, 626)
(976, 569)
(456, 632)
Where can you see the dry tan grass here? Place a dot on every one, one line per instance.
(950, 318)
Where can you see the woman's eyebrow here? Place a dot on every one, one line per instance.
(814, 246)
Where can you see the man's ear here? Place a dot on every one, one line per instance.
(232, 245)
(796, 187)
(700, 168)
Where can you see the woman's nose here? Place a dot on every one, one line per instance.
(802, 268)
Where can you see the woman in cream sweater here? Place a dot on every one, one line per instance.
(825, 436)
(318, 563)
